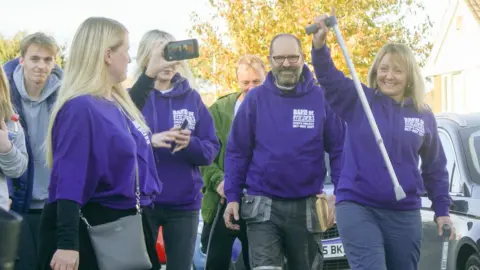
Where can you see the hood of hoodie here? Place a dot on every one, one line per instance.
(36, 114)
(180, 87)
(303, 87)
(51, 86)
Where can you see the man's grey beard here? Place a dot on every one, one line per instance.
(287, 87)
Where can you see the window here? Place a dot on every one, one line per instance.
(458, 92)
(447, 97)
(474, 147)
(452, 165)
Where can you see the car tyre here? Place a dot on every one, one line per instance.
(473, 262)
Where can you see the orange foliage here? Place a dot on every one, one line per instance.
(248, 26)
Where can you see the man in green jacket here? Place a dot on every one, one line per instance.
(219, 239)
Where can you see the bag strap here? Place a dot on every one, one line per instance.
(137, 177)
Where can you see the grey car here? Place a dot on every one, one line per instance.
(460, 137)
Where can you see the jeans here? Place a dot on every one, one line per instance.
(179, 234)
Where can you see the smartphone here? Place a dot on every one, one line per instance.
(182, 127)
(181, 50)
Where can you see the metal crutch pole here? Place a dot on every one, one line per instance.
(331, 22)
(446, 230)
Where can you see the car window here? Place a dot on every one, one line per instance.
(474, 147)
(452, 166)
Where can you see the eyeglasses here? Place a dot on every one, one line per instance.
(279, 59)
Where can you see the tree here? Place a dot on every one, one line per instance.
(249, 26)
(10, 49)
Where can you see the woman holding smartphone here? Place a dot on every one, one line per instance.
(178, 152)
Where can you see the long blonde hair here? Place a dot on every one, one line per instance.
(6, 108)
(86, 71)
(145, 51)
(415, 85)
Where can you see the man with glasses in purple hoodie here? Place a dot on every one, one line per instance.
(276, 152)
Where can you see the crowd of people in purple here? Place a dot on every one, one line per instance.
(94, 169)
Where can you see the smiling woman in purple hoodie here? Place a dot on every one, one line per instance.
(173, 101)
(390, 234)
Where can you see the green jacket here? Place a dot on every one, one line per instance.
(222, 112)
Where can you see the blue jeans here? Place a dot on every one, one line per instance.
(379, 239)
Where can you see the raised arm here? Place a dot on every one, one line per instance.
(141, 90)
(340, 90)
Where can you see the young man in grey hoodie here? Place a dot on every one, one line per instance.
(34, 80)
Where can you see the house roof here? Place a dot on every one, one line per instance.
(474, 6)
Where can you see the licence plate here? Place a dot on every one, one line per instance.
(332, 250)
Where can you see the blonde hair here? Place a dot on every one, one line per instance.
(145, 51)
(39, 39)
(6, 108)
(415, 85)
(251, 61)
(86, 71)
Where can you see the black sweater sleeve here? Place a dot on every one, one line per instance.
(141, 89)
(67, 224)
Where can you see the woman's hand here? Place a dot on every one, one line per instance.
(182, 139)
(65, 260)
(320, 37)
(445, 220)
(164, 139)
(157, 61)
(5, 144)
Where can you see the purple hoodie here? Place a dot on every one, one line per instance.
(407, 133)
(278, 140)
(94, 158)
(179, 172)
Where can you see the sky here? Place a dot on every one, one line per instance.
(60, 18)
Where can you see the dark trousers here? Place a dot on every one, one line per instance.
(95, 214)
(219, 252)
(379, 239)
(283, 228)
(27, 248)
(179, 234)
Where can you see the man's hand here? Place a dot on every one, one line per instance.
(231, 213)
(9, 204)
(182, 139)
(157, 62)
(220, 189)
(331, 210)
(320, 36)
(445, 220)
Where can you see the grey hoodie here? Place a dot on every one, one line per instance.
(37, 117)
(13, 163)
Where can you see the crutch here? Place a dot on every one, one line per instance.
(331, 22)
(446, 230)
